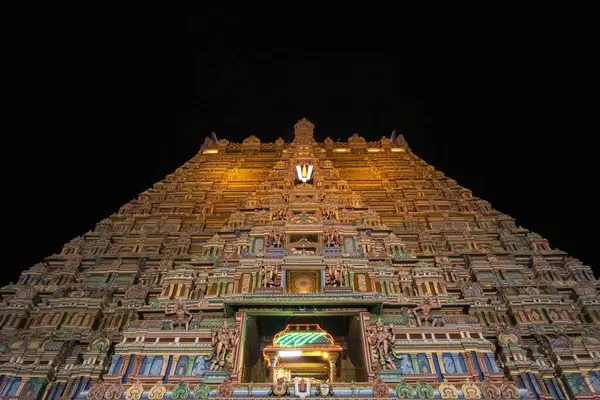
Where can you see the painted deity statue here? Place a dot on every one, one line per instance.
(382, 339)
(268, 276)
(333, 238)
(223, 340)
(337, 275)
(280, 214)
(274, 239)
(328, 213)
(182, 316)
(425, 307)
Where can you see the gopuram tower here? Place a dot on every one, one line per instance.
(303, 270)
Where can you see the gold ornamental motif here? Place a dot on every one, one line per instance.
(134, 392)
(157, 392)
(470, 390)
(448, 391)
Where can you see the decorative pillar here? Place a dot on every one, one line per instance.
(83, 383)
(273, 359)
(127, 318)
(469, 363)
(441, 362)
(415, 363)
(53, 386)
(481, 361)
(587, 381)
(174, 371)
(190, 366)
(239, 355)
(17, 321)
(372, 280)
(11, 320)
(6, 384)
(236, 283)
(332, 367)
(561, 387)
(541, 385)
(486, 315)
(570, 383)
(113, 363)
(283, 272)
(457, 363)
(137, 361)
(387, 287)
(67, 389)
(22, 385)
(165, 364)
(254, 285)
(431, 364)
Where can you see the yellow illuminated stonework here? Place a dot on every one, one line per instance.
(303, 269)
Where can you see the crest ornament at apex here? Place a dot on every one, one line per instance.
(304, 128)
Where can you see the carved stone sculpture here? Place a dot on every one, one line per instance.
(381, 339)
(182, 316)
(268, 276)
(424, 317)
(337, 275)
(223, 341)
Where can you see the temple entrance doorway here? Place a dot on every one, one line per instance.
(323, 348)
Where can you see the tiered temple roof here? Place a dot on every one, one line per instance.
(427, 290)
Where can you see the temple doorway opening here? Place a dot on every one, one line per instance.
(322, 348)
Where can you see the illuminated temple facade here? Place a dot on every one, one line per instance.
(304, 269)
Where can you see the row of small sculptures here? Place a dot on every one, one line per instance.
(337, 278)
(267, 275)
(275, 238)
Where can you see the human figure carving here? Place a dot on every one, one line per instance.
(382, 340)
(274, 238)
(333, 238)
(182, 316)
(279, 214)
(222, 341)
(328, 212)
(425, 307)
(337, 275)
(268, 276)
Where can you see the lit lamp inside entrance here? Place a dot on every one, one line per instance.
(302, 351)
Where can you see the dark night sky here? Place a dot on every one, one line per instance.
(102, 107)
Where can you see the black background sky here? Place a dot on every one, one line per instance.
(101, 107)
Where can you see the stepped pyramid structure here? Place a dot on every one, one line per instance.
(329, 269)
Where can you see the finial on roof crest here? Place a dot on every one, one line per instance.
(303, 130)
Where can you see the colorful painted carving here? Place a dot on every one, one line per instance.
(374, 274)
